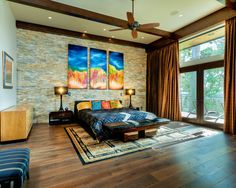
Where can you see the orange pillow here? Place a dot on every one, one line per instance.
(84, 105)
(115, 104)
(106, 105)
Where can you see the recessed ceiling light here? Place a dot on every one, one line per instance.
(112, 37)
(142, 37)
(181, 15)
(85, 31)
(49, 17)
(104, 29)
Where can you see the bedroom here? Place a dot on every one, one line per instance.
(36, 35)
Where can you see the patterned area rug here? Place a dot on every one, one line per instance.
(89, 150)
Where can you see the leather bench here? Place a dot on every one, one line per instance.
(131, 130)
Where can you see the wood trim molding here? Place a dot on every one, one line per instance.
(206, 22)
(231, 4)
(203, 66)
(86, 14)
(64, 32)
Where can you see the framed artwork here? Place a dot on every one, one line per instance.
(116, 71)
(77, 67)
(98, 69)
(7, 71)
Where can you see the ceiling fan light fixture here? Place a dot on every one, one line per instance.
(134, 25)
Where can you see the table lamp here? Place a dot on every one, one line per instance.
(130, 92)
(61, 90)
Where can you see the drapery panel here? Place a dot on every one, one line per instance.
(230, 77)
(163, 82)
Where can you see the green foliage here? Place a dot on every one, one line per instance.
(213, 82)
(216, 47)
(210, 48)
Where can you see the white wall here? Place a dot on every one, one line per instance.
(7, 44)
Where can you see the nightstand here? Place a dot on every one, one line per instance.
(60, 117)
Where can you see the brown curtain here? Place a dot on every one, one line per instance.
(163, 82)
(230, 77)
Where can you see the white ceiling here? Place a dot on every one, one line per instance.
(166, 12)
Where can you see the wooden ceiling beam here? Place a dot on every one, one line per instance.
(64, 32)
(201, 24)
(231, 4)
(86, 14)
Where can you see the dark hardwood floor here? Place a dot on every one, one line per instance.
(204, 162)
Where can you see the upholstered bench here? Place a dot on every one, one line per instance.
(14, 167)
(132, 130)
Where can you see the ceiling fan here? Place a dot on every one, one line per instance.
(134, 25)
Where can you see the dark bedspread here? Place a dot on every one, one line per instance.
(96, 119)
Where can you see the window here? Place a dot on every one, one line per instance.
(214, 95)
(188, 94)
(208, 47)
(202, 78)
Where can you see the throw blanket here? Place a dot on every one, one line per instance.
(96, 119)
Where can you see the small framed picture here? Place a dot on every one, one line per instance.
(7, 71)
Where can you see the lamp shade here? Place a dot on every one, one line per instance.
(60, 90)
(130, 91)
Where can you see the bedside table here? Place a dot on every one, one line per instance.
(60, 117)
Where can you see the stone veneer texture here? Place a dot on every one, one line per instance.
(42, 61)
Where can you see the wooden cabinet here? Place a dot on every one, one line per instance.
(16, 123)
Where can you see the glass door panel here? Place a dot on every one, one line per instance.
(214, 95)
(188, 94)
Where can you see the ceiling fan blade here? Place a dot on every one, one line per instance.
(149, 25)
(134, 33)
(130, 18)
(117, 29)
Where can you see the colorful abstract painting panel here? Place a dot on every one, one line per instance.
(116, 71)
(98, 69)
(77, 67)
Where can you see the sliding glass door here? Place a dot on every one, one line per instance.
(202, 94)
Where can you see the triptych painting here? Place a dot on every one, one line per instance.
(116, 70)
(98, 69)
(104, 72)
(77, 67)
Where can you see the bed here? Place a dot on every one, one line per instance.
(94, 121)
